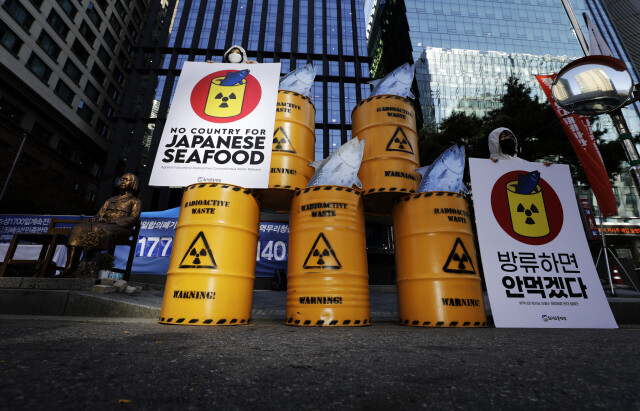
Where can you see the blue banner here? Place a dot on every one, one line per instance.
(31, 224)
(155, 241)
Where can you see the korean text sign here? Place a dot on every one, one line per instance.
(220, 126)
(536, 260)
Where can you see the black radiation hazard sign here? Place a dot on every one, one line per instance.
(400, 142)
(198, 254)
(459, 261)
(322, 255)
(281, 141)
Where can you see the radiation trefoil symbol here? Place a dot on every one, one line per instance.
(322, 255)
(400, 142)
(281, 141)
(459, 260)
(226, 95)
(224, 99)
(527, 209)
(198, 254)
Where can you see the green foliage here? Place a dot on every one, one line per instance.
(539, 131)
(105, 261)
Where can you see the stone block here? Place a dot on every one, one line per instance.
(130, 290)
(107, 281)
(138, 288)
(28, 282)
(121, 285)
(103, 289)
(51, 283)
(82, 283)
(10, 282)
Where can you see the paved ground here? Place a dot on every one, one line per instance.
(75, 363)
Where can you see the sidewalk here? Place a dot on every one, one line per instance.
(73, 298)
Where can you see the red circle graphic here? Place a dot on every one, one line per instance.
(239, 100)
(552, 207)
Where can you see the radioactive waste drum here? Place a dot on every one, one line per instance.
(388, 125)
(212, 267)
(293, 149)
(328, 282)
(437, 270)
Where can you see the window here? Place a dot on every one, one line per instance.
(19, 13)
(36, 3)
(124, 61)
(113, 92)
(110, 40)
(84, 111)
(103, 4)
(115, 23)
(80, 50)
(87, 33)
(68, 8)
(38, 67)
(104, 56)
(107, 110)
(93, 15)
(136, 17)
(12, 112)
(58, 24)
(91, 92)
(98, 74)
(48, 45)
(64, 149)
(9, 39)
(102, 128)
(120, 9)
(41, 133)
(132, 31)
(117, 74)
(72, 71)
(64, 92)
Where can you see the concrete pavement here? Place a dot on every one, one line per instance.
(77, 364)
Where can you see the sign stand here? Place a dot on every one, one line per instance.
(606, 250)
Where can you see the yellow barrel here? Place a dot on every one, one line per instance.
(293, 149)
(437, 269)
(212, 267)
(388, 125)
(328, 281)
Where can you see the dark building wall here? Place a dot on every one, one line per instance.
(63, 68)
(328, 33)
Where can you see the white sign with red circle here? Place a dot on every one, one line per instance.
(220, 126)
(536, 260)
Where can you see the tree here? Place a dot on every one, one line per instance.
(539, 131)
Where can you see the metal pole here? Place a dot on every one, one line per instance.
(15, 161)
(606, 257)
(576, 27)
(628, 145)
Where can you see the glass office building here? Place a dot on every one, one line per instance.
(465, 50)
(327, 33)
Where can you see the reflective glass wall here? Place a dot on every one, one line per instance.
(328, 33)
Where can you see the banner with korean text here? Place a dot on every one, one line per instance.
(535, 257)
(220, 126)
(580, 134)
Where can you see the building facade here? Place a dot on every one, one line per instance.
(465, 50)
(327, 33)
(63, 71)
